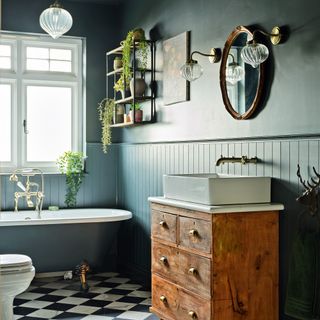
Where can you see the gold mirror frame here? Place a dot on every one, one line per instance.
(223, 83)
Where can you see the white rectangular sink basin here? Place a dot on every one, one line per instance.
(217, 189)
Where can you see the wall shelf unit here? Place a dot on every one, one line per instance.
(126, 100)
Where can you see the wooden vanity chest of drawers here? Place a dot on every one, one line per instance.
(214, 266)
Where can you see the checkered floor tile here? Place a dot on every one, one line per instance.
(110, 296)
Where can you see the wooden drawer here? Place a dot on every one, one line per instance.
(173, 302)
(195, 234)
(164, 226)
(186, 269)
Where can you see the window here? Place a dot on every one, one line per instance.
(41, 100)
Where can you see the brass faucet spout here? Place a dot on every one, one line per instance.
(242, 160)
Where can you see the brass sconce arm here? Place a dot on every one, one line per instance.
(275, 35)
(214, 55)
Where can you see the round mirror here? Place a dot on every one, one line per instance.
(241, 84)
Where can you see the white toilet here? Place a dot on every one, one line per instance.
(16, 274)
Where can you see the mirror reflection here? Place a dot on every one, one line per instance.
(239, 81)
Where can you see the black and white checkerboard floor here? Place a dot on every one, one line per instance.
(110, 297)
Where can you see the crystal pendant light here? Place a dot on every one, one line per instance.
(192, 70)
(234, 73)
(55, 20)
(254, 53)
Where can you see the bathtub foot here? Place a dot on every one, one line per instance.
(81, 271)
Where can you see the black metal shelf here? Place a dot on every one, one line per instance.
(147, 100)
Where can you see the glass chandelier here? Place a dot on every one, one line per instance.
(55, 20)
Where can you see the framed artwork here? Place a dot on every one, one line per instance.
(176, 51)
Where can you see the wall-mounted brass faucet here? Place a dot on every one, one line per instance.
(242, 160)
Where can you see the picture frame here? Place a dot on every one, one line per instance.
(176, 51)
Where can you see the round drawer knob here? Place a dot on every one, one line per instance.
(193, 271)
(163, 224)
(192, 315)
(164, 260)
(163, 299)
(193, 233)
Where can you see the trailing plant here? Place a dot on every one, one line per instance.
(105, 110)
(71, 164)
(126, 52)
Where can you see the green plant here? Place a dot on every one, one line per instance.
(105, 110)
(135, 106)
(71, 164)
(126, 52)
(119, 85)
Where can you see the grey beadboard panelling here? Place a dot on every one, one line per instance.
(97, 190)
(141, 167)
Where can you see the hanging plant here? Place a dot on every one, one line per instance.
(71, 164)
(105, 110)
(133, 36)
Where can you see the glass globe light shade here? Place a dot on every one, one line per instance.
(254, 53)
(55, 21)
(234, 73)
(191, 71)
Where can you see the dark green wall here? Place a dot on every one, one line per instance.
(98, 23)
(293, 105)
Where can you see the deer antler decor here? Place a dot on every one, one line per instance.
(310, 196)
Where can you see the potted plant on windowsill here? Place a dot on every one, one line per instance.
(71, 164)
(138, 113)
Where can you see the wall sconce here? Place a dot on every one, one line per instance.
(55, 20)
(255, 53)
(234, 72)
(192, 70)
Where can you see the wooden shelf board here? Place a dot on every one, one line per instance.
(111, 73)
(130, 99)
(119, 49)
(129, 124)
(114, 72)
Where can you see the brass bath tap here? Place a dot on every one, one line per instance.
(242, 160)
(30, 189)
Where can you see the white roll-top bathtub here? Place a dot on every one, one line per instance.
(64, 216)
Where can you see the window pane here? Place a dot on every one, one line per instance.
(5, 50)
(38, 65)
(5, 63)
(61, 66)
(49, 111)
(37, 53)
(5, 122)
(60, 54)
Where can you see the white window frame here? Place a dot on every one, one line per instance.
(20, 78)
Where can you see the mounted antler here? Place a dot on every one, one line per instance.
(310, 196)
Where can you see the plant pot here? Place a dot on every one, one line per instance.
(140, 87)
(138, 115)
(138, 34)
(117, 64)
(118, 113)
